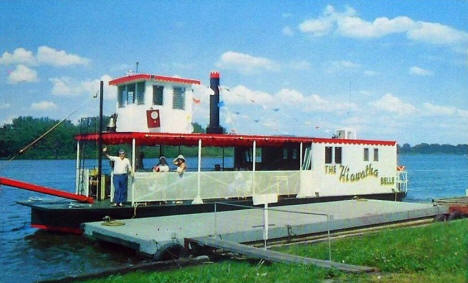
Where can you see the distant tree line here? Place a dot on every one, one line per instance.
(424, 148)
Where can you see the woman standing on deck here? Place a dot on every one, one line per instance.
(180, 163)
(121, 169)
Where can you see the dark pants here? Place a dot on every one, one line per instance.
(120, 186)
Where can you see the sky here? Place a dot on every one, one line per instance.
(391, 70)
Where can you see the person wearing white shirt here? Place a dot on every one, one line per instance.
(121, 169)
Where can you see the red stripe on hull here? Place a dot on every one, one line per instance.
(58, 229)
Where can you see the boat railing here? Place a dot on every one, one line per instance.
(150, 186)
(402, 181)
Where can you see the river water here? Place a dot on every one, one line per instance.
(29, 255)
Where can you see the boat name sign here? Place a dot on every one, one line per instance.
(345, 176)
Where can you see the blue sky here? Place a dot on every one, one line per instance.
(395, 70)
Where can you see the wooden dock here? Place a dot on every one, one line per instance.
(149, 236)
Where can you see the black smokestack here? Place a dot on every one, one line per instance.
(214, 127)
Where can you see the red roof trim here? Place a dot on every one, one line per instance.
(217, 139)
(138, 77)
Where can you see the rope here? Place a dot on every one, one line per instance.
(113, 223)
(107, 221)
(27, 147)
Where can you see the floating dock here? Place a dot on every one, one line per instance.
(148, 236)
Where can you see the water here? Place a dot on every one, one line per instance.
(29, 255)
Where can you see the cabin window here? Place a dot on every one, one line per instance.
(376, 154)
(366, 154)
(140, 93)
(338, 151)
(121, 95)
(178, 99)
(130, 93)
(328, 154)
(285, 153)
(158, 95)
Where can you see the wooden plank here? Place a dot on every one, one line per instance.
(275, 256)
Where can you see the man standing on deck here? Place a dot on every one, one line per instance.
(121, 169)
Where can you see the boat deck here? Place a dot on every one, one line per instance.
(149, 235)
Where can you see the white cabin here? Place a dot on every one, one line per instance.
(154, 104)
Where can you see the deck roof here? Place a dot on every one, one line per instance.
(221, 140)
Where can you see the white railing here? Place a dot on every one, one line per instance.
(402, 181)
(149, 186)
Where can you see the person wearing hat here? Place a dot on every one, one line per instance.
(162, 165)
(179, 161)
(121, 169)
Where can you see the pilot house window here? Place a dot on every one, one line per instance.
(140, 93)
(158, 95)
(178, 100)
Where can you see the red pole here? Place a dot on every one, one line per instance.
(44, 190)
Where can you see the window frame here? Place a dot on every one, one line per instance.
(328, 154)
(338, 155)
(366, 154)
(140, 94)
(155, 100)
(176, 98)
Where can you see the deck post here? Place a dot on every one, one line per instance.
(300, 157)
(133, 168)
(265, 224)
(77, 177)
(198, 199)
(254, 161)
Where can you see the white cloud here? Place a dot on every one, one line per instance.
(353, 26)
(242, 95)
(4, 105)
(349, 24)
(8, 120)
(393, 104)
(418, 71)
(431, 109)
(316, 27)
(22, 74)
(287, 31)
(343, 65)
(436, 33)
(370, 73)
(463, 114)
(59, 58)
(66, 86)
(43, 106)
(45, 56)
(19, 56)
(245, 63)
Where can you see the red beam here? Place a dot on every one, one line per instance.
(44, 190)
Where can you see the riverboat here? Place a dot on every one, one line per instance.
(156, 111)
